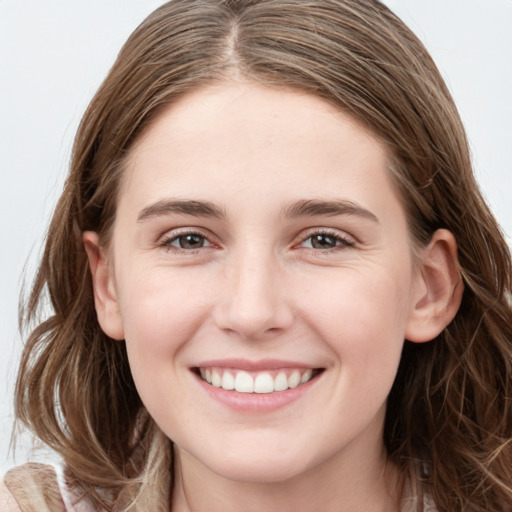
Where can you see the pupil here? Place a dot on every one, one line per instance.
(323, 242)
(191, 241)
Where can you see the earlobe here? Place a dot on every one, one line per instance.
(438, 289)
(105, 301)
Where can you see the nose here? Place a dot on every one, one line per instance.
(254, 304)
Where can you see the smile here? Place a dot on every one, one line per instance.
(257, 382)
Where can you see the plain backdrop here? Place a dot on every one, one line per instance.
(54, 55)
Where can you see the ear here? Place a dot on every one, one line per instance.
(105, 301)
(438, 288)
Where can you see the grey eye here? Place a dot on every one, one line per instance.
(321, 241)
(190, 241)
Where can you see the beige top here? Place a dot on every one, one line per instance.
(40, 488)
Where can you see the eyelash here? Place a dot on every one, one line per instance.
(342, 242)
(167, 241)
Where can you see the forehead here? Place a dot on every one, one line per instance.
(222, 139)
(236, 108)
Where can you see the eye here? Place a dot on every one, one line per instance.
(186, 241)
(326, 241)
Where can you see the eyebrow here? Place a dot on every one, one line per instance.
(183, 207)
(313, 207)
(302, 208)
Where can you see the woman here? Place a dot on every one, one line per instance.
(265, 200)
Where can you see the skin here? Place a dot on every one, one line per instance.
(258, 285)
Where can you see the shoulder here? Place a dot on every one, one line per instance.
(7, 501)
(31, 487)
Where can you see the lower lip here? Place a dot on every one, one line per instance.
(257, 402)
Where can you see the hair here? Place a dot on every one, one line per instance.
(449, 417)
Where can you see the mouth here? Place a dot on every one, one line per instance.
(258, 382)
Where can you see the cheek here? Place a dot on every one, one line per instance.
(160, 316)
(363, 319)
(160, 312)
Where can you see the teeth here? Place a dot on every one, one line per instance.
(294, 379)
(216, 379)
(306, 376)
(244, 383)
(281, 382)
(228, 381)
(264, 382)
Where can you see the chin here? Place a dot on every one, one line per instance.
(262, 467)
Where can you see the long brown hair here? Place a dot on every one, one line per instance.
(449, 416)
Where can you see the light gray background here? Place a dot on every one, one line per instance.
(54, 54)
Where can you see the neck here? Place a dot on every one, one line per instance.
(359, 479)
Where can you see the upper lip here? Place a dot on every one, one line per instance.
(253, 366)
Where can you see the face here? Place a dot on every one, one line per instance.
(260, 245)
